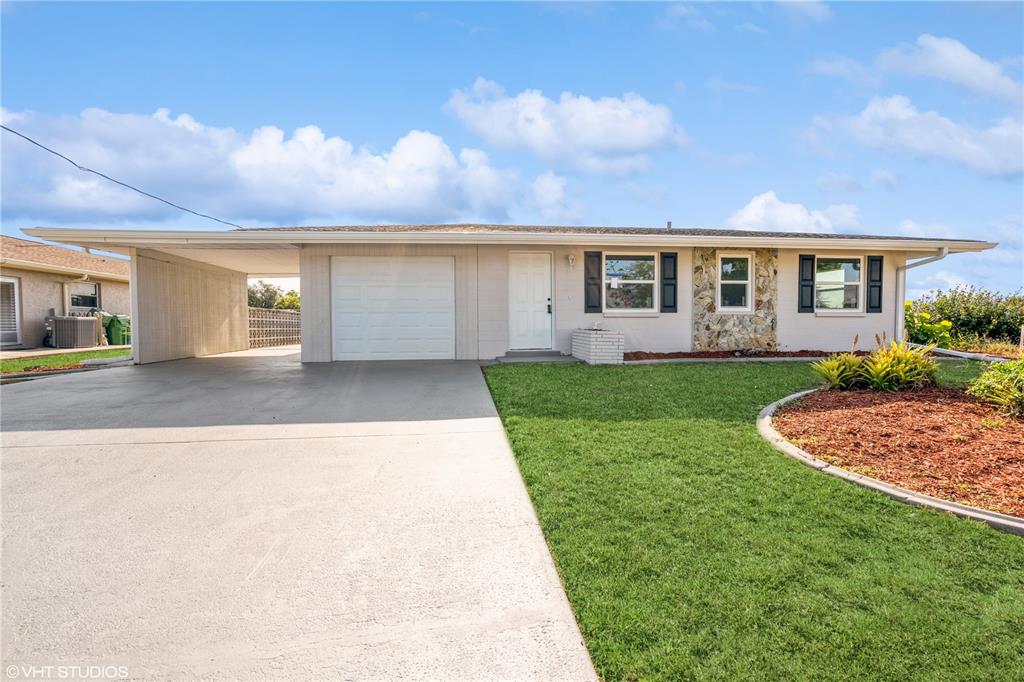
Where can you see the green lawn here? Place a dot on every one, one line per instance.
(61, 359)
(691, 549)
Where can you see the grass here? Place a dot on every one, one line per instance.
(691, 549)
(60, 359)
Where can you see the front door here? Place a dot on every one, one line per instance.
(529, 296)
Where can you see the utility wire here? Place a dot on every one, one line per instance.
(117, 182)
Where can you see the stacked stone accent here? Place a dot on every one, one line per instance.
(598, 346)
(730, 331)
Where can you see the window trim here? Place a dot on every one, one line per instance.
(84, 309)
(734, 310)
(654, 310)
(859, 310)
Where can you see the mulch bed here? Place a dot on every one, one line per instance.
(754, 353)
(46, 368)
(936, 441)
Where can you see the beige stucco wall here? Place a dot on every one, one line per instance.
(831, 331)
(42, 292)
(184, 308)
(481, 298)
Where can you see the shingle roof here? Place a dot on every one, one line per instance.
(15, 249)
(674, 231)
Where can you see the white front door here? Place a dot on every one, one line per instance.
(529, 297)
(393, 308)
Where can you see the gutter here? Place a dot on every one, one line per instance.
(901, 287)
(157, 239)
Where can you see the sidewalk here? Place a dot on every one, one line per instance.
(20, 353)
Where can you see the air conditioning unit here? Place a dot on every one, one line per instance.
(72, 332)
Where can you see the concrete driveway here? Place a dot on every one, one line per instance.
(244, 516)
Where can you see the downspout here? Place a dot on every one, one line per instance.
(901, 287)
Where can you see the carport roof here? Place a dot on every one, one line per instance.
(274, 251)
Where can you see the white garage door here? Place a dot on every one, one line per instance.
(393, 308)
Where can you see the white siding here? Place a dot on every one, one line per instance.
(184, 308)
(831, 332)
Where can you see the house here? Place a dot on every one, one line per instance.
(476, 292)
(38, 280)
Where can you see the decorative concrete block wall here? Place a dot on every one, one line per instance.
(598, 346)
(735, 331)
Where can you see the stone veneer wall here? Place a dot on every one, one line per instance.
(731, 331)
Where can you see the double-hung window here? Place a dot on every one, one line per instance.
(84, 296)
(735, 280)
(630, 283)
(837, 284)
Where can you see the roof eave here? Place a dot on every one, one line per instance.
(35, 266)
(161, 238)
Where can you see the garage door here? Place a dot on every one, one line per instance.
(393, 308)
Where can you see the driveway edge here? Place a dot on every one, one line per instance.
(1004, 522)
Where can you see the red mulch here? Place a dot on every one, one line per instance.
(752, 353)
(937, 441)
(50, 368)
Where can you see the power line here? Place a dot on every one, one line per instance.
(118, 182)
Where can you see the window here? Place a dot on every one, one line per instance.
(735, 274)
(629, 282)
(837, 284)
(84, 296)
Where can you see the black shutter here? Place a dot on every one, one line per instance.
(592, 281)
(669, 282)
(874, 284)
(805, 302)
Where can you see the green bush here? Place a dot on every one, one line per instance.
(1002, 385)
(921, 329)
(898, 367)
(976, 312)
(893, 367)
(840, 372)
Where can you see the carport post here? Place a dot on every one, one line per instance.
(133, 295)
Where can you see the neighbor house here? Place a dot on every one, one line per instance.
(38, 280)
(477, 292)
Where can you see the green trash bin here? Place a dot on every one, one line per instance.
(119, 330)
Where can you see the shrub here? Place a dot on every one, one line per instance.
(976, 312)
(898, 367)
(895, 366)
(840, 372)
(972, 343)
(921, 329)
(1002, 385)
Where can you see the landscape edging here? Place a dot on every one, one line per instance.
(767, 430)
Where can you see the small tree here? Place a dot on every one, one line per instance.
(289, 301)
(263, 295)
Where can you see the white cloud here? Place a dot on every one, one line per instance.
(767, 212)
(844, 67)
(885, 179)
(839, 182)
(548, 196)
(265, 175)
(952, 61)
(807, 9)
(894, 123)
(606, 135)
(688, 15)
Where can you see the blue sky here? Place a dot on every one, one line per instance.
(901, 118)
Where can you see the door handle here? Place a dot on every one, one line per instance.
(549, 308)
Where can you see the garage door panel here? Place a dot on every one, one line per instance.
(393, 307)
